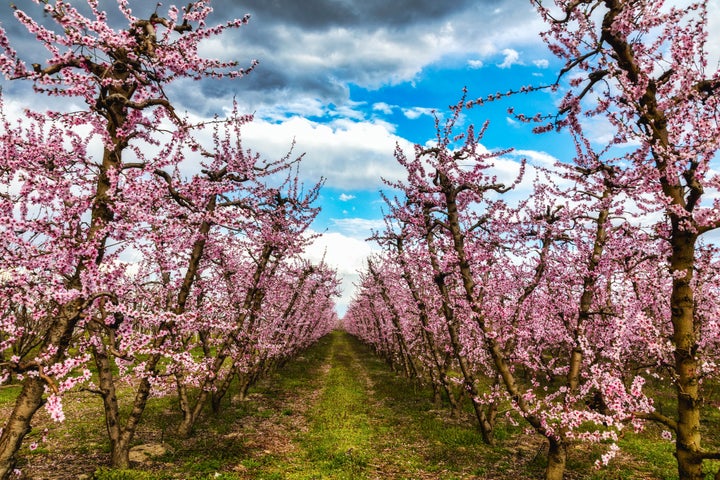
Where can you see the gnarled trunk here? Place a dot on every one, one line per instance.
(18, 425)
(682, 307)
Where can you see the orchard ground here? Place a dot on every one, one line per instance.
(336, 412)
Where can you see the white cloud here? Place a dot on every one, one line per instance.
(346, 254)
(475, 64)
(507, 168)
(358, 228)
(350, 155)
(713, 47)
(344, 197)
(416, 112)
(512, 57)
(383, 107)
(535, 157)
(541, 63)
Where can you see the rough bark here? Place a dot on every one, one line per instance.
(18, 425)
(682, 304)
(557, 457)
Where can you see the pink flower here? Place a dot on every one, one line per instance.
(55, 408)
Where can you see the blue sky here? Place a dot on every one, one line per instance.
(406, 110)
(347, 80)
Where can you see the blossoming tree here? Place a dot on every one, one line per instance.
(92, 200)
(557, 300)
(646, 66)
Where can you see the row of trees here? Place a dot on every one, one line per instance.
(571, 309)
(150, 249)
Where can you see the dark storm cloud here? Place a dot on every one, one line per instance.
(314, 49)
(311, 51)
(322, 14)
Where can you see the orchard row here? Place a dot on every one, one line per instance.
(139, 249)
(569, 308)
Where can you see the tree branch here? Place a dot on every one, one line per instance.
(177, 196)
(659, 418)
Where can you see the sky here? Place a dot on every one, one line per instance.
(349, 80)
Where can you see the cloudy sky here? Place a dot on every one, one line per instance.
(348, 80)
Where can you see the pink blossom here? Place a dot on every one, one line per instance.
(54, 407)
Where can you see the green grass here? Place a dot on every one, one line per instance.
(339, 442)
(8, 393)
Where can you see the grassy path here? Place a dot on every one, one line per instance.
(356, 419)
(363, 422)
(340, 437)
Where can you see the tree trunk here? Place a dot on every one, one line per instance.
(120, 454)
(682, 307)
(119, 458)
(557, 456)
(18, 425)
(190, 416)
(486, 425)
(447, 385)
(183, 430)
(244, 383)
(437, 397)
(221, 390)
(121, 436)
(191, 411)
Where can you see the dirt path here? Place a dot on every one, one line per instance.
(353, 427)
